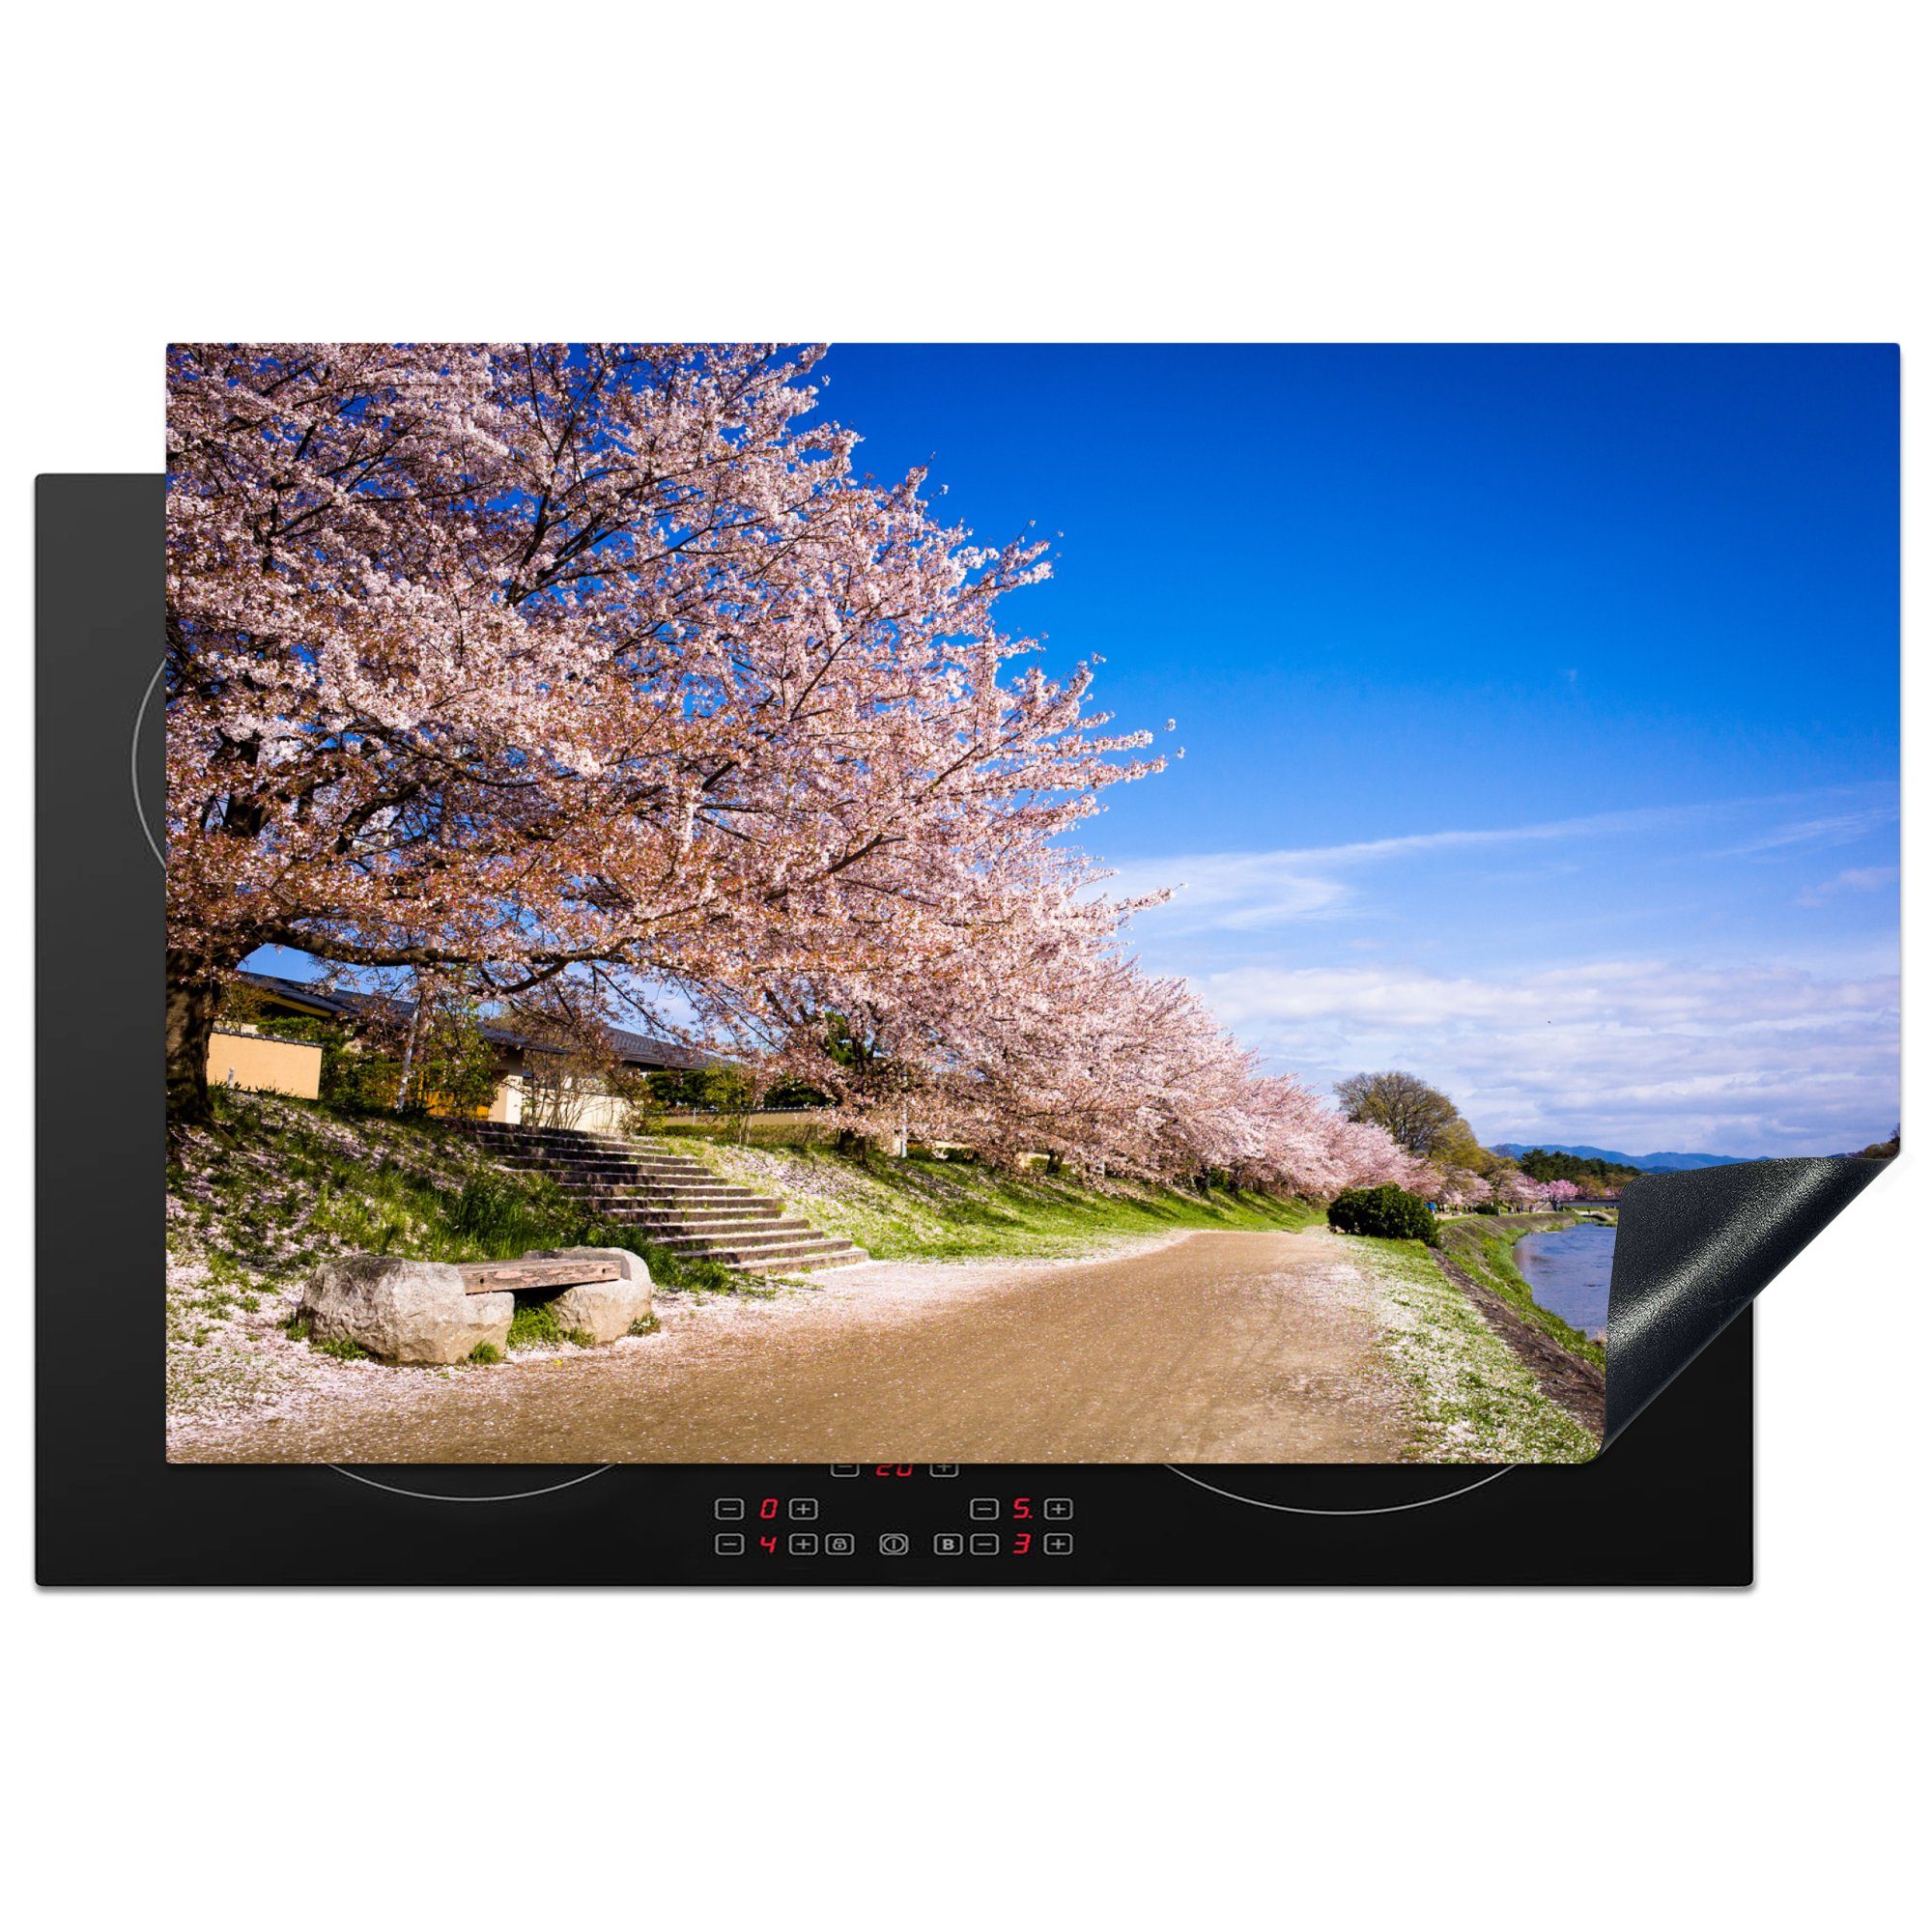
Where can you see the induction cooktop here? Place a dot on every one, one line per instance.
(1669, 1502)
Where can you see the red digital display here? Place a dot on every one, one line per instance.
(1020, 1539)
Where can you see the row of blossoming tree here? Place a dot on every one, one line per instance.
(595, 683)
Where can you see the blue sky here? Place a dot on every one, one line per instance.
(1540, 705)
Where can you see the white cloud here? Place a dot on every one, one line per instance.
(1630, 1053)
(1237, 891)
(1855, 879)
(1241, 891)
(1629, 1047)
(1838, 828)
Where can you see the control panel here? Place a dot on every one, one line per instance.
(875, 1516)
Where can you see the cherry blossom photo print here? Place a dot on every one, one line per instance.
(997, 904)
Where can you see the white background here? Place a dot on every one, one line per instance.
(1384, 171)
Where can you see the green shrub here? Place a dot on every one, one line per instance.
(645, 1324)
(1388, 1211)
(342, 1348)
(484, 1353)
(497, 1214)
(708, 1277)
(355, 1081)
(455, 1070)
(534, 1326)
(1489, 1208)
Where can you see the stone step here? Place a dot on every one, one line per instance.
(654, 1183)
(560, 1142)
(819, 1263)
(695, 1176)
(633, 1203)
(783, 1258)
(742, 1245)
(631, 1177)
(674, 1200)
(630, 1171)
(539, 1156)
(651, 1197)
(669, 1234)
(644, 1178)
(679, 1190)
(556, 1140)
(643, 1214)
(746, 1232)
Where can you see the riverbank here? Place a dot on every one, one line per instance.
(1484, 1384)
(1483, 1247)
(1477, 1254)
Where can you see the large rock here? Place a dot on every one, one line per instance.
(604, 1309)
(403, 1311)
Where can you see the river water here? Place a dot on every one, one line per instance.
(1568, 1272)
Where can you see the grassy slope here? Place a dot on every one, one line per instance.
(1475, 1402)
(280, 1185)
(926, 1209)
(1483, 1247)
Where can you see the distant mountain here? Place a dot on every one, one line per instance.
(1644, 1163)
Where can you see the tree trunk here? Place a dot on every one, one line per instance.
(409, 1050)
(194, 994)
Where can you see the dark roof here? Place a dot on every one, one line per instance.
(634, 1049)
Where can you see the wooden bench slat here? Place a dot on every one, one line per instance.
(494, 1277)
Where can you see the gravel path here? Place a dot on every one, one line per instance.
(1201, 1348)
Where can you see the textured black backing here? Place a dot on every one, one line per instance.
(1693, 1251)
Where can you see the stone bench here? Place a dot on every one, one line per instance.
(441, 1312)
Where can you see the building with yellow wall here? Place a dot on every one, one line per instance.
(257, 1064)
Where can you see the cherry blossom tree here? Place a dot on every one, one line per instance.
(1462, 1189)
(1516, 1189)
(592, 682)
(522, 661)
(1050, 1041)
